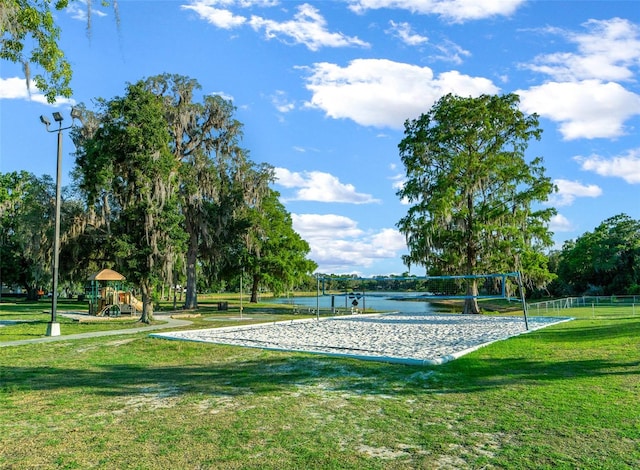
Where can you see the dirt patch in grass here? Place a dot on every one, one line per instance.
(563, 397)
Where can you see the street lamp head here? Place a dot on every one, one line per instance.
(76, 113)
(57, 116)
(45, 121)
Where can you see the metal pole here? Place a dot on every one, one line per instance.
(364, 302)
(241, 292)
(524, 301)
(53, 328)
(317, 298)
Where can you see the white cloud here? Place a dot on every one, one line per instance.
(625, 166)
(584, 96)
(568, 191)
(221, 17)
(559, 223)
(608, 51)
(338, 245)
(405, 33)
(80, 11)
(390, 238)
(301, 149)
(251, 3)
(223, 95)
(307, 27)
(399, 181)
(15, 88)
(587, 109)
(325, 227)
(383, 93)
(281, 103)
(321, 187)
(450, 52)
(457, 11)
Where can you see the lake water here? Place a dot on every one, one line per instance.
(380, 301)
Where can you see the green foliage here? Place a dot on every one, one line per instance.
(472, 192)
(82, 244)
(26, 234)
(158, 165)
(127, 168)
(605, 261)
(23, 22)
(26, 230)
(276, 256)
(217, 179)
(159, 144)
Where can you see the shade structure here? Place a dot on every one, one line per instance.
(106, 275)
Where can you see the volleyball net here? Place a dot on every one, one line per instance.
(468, 287)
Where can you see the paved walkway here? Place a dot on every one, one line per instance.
(170, 323)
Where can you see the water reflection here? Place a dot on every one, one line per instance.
(378, 301)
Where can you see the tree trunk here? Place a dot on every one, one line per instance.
(32, 293)
(175, 299)
(147, 305)
(471, 303)
(191, 297)
(254, 289)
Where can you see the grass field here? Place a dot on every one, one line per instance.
(562, 397)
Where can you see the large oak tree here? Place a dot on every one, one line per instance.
(217, 180)
(275, 256)
(128, 173)
(474, 196)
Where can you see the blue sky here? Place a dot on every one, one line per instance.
(323, 89)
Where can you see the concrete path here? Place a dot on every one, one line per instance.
(170, 323)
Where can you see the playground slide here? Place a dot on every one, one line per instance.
(137, 304)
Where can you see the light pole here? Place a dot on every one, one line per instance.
(53, 328)
(241, 292)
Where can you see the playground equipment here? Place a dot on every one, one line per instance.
(107, 296)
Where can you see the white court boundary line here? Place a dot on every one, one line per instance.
(213, 335)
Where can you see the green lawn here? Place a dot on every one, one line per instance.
(31, 318)
(562, 397)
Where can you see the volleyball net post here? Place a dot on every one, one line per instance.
(524, 302)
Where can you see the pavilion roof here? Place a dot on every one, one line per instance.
(106, 275)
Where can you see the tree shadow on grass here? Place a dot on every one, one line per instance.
(594, 331)
(263, 376)
(144, 364)
(477, 375)
(281, 373)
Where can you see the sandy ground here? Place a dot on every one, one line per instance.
(394, 337)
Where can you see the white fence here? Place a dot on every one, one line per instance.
(548, 307)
